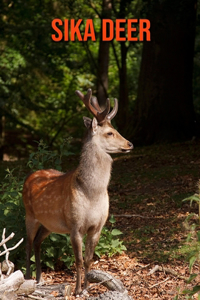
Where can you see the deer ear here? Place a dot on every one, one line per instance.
(87, 121)
(94, 126)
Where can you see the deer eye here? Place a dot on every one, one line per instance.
(109, 133)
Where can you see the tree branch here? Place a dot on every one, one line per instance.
(115, 55)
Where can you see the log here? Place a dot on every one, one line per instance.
(8, 296)
(116, 287)
(27, 287)
(12, 283)
(106, 279)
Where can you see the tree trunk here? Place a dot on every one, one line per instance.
(164, 106)
(2, 136)
(123, 90)
(122, 115)
(103, 59)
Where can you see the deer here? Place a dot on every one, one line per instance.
(76, 202)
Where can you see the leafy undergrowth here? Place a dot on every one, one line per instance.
(146, 193)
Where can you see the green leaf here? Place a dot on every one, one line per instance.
(54, 237)
(33, 258)
(198, 236)
(49, 264)
(192, 261)
(196, 289)
(115, 243)
(189, 237)
(116, 232)
(13, 194)
(192, 276)
(194, 197)
(97, 253)
(51, 251)
(112, 219)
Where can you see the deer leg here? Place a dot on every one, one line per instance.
(32, 226)
(42, 233)
(91, 242)
(76, 240)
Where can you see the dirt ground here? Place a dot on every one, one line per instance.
(146, 193)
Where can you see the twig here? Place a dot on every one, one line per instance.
(130, 216)
(34, 297)
(156, 268)
(159, 283)
(143, 267)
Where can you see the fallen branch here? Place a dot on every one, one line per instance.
(167, 270)
(112, 283)
(12, 283)
(156, 268)
(141, 268)
(156, 284)
(27, 287)
(35, 297)
(130, 216)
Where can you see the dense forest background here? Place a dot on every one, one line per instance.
(157, 82)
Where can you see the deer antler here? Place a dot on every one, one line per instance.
(99, 115)
(109, 116)
(113, 112)
(93, 106)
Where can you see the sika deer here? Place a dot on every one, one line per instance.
(76, 202)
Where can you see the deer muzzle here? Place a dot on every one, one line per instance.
(128, 148)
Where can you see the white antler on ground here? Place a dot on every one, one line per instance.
(13, 284)
(6, 251)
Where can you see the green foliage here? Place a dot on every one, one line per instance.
(193, 240)
(56, 249)
(44, 158)
(38, 77)
(108, 243)
(12, 212)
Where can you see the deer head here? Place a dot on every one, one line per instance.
(100, 128)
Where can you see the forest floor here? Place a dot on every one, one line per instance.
(146, 192)
(150, 184)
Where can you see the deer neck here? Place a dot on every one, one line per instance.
(93, 172)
